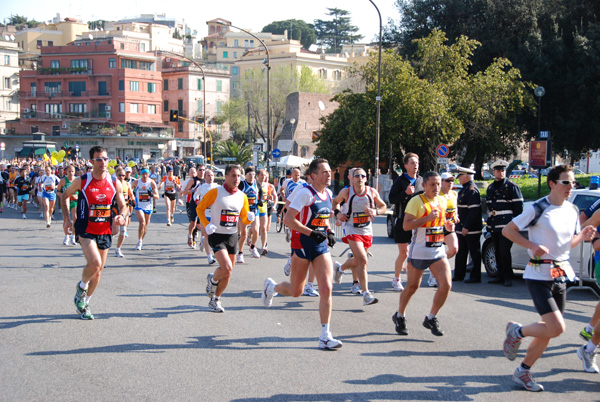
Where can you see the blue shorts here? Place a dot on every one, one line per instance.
(423, 264)
(49, 196)
(146, 211)
(310, 249)
(24, 197)
(262, 214)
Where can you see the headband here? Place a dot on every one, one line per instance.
(145, 171)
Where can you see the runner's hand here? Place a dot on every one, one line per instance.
(330, 238)
(210, 229)
(318, 236)
(250, 216)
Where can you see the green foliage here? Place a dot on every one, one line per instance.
(529, 187)
(230, 149)
(332, 34)
(21, 22)
(297, 30)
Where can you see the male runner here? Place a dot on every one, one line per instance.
(145, 191)
(64, 183)
(171, 186)
(22, 184)
(200, 192)
(425, 215)
(249, 186)
(361, 204)
(550, 240)
(188, 191)
(227, 205)
(49, 183)
(268, 199)
(129, 198)
(308, 218)
(93, 228)
(287, 188)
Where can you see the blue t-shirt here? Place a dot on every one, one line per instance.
(412, 180)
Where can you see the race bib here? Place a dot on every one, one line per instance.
(251, 201)
(319, 222)
(144, 197)
(229, 218)
(450, 214)
(169, 189)
(360, 219)
(99, 213)
(25, 187)
(434, 237)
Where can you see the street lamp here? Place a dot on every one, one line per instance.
(203, 99)
(539, 92)
(268, 64)
(378, 99)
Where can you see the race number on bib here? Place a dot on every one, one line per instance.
(229, 218)
(99, 213)
(319, 221)
(360, 219)
(434, 237)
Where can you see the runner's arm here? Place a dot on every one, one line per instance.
(123, 209)
(380, 205)
(293, 223)
(64, 201)
(244, 212)
(208, 199)
(337, 201)
(412, 222)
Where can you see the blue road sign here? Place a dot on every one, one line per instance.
(276, 153)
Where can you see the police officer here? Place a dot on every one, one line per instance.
(504, 201)
(468, 229)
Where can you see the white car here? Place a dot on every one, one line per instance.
(583, 264)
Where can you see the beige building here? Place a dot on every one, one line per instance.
(9, 83)
(150, 36)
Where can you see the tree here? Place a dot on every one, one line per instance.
(230, 149)
(21, 22)
(296, 29)
(332, 34)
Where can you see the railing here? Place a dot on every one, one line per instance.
(64, 70)
(61, 116)
(62, 94)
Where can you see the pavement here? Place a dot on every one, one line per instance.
(155, 339)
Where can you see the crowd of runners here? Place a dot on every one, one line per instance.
(98, 198)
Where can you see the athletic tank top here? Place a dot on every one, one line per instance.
(314, 216)
(143, 195)
(359, 222)
(450, 205)
(74, 197)
(93, 205)
(428, 240)
(170, 185)
(251, 191)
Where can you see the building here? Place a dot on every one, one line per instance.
(150, 36)
(9, 84)
(197, 94)
(105, 86)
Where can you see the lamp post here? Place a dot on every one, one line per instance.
(268, 64)
(378, 99)
(539, 92)
(203, 99)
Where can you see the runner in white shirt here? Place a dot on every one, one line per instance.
(200, 192)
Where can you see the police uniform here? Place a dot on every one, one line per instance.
(468, 206)
(504, 202)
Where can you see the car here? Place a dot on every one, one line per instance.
(487, 175)
(582, 260)
(219, 172)
(151, 161)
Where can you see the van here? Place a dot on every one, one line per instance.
(195, 160)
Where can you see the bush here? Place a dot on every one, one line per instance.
(529, 187)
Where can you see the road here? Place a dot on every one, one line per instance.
(155, 339)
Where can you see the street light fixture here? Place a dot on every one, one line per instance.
(539, 92)
(267, 62)
(378, 99)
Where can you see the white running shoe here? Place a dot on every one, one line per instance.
(118, 253)
(255, 253)
(288, 266)
(73, 241)
(211, 259)
(23, 216)
(329, 343)
(168, 223)
(240, 258)
(588, 359)
(47, 224)
(369, 299)
(268, 292)
(356, 289)
(310, 291)
(337, 272)
(525, 378)
(201, 246)
(397, 285)
(432, 282)
(264, 251)
(66, 241)
(139, 246)
(215, 305)
(288, 235)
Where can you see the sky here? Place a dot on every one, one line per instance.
(245, 14)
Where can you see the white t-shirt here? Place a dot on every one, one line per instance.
(554, 230)
(201, 191)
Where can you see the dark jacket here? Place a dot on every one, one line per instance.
(398, 195)
(504, 202)
(468, 207)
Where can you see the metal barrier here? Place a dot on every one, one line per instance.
(588, 265)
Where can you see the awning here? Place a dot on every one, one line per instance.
(25, 152)
(40, 151)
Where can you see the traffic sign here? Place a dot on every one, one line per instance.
(256, 148)
(276, 153)
(544, 134)
(229, 159)
(442, 161)
(2, 146)
(442, 150)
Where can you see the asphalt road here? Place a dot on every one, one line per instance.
(155, 339)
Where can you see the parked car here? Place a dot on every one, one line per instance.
(487, 175)
(218, 171)
(151, 161)
(520, 257)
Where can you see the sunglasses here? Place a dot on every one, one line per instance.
(120, 175)
(449, 180)
(566, 182)
(101, 159)
(360, 176)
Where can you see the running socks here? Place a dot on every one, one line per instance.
(84, 285)
(325, 334)
(590, 347)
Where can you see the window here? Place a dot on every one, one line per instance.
(77, 108)
(165, 105)
(180, 105)
(134, 107)
(180, 126)
(50, 43)
(337, 75)
(6, 82)
(166, 84)
(219, 85)
(122, 107)
(235, 55)
(151, 109)
(225, 54)
(77, 87)
(112, 63)
(323, 73)
(146, 65)
(53, 63)
(7, 60)
(143, 47)
(236, 43)
(33, 89)
(126, 63)
(219, 108)
(53, 109)
(179, 83)
(121, 85)
(151, 87)
(52, 87)
(235, 70)
(39, 44)
(34, 129)
(79, 63)
(245, 42)
(199, 84)
(200, 106)
(251, 42)
(134, 86)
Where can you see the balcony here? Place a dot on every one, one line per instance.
(64, 70)
(64, 94)
(63, 116)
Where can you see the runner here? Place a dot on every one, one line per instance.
(49, 183)
(254, 194)
(200, 192)
(425, 216)
(227, 206)
(145, 190)
(171, 186)
(12, 191)
(268, 199)
(188, 191)
(361, 204)
(93, 228)
(64, 183)
(129, 198)
(3, 188)
(549, 243)
(308, 217)
(22, 184)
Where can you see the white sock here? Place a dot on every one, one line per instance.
(590, 347)
(87, 299)
(325, 331)
(400, 315)
(589, 328)
(396, 279)
(430, 316)
(84, 285)
(309, 284)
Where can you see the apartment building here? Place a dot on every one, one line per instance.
(100, 86)
(9, 83)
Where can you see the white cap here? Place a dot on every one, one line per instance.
(464, 170)
(447, 175)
